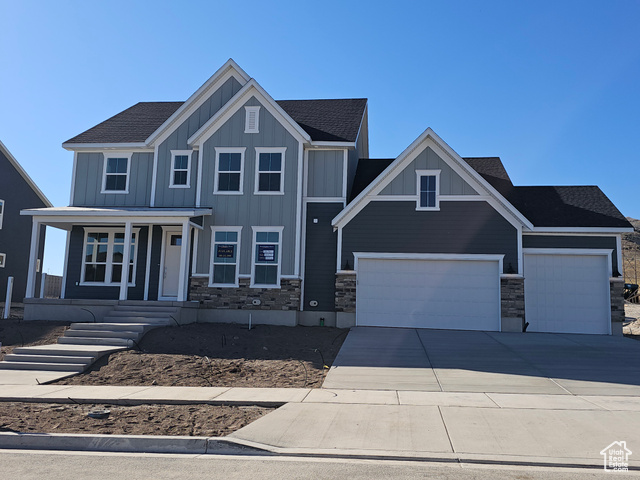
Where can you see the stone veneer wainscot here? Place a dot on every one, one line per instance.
(287, 297)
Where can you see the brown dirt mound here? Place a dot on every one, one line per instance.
(192, 420)
(222, 355)
(18, 333)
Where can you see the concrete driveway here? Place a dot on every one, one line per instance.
(462, 361)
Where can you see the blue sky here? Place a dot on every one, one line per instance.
(552, 87)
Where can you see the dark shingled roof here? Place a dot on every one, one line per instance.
(367, 171)
(135, 124)
(552, 206)
(324, 120)
(335, 120)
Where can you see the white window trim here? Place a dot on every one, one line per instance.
(215, 229)
(255, 231)
(106, 156)
(174, 154)
(247, 114)
(422, 173)
(3, 205)
(109, 265)
(3, 260)
(219, 150)
(259, 150)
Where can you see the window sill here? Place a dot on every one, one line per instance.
(179, 186)
(268, 193)
(102, 284)
(427, 209)
(225, 192)
(271, 287)
(223, 285)
(111, 192)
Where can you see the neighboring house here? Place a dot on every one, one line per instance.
(242, 206)
(17, 192)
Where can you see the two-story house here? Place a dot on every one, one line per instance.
(17, 192)
(239, 207)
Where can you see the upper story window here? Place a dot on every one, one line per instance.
(224, 254)
(229, 172)
(102, 262)
(270, 170)
(1, 212)
(115, 178)
(3, 259)
(265, 268)
(252, 120)
(428, 189)
(180, 169)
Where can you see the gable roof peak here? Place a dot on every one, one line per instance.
(21, 171)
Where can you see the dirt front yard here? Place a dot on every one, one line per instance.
(18, 333)
(191, 420)
(224, 355)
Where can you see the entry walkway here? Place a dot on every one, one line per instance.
(463, 361)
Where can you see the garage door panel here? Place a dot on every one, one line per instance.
(449, 294)
(567, 293)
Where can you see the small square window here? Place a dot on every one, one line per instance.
(3, 259)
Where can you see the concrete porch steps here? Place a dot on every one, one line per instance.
(83, 343)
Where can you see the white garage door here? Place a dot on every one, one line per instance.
(567, 293)
(448, 294)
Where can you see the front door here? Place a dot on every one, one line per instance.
(171, 265)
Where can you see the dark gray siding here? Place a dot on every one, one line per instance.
(15, 234)
(74, 268)
(154, 273)
(459, 227)
(571, 241)
(320, 256)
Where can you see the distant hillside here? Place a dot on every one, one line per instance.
(631, 253)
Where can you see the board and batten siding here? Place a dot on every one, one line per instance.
(574, 241)
(185, 197)
(249, 210)
(325, 173)
(361, 151)
(450, 182)
(458, 227)
(88, 182)
(320, 256)
(74, 290)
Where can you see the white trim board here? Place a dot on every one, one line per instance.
(573, 251)
(429, 256)
(430, 139)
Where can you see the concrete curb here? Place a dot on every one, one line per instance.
(229, 446)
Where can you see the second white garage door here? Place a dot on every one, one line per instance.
(567, 293)
(447, 294)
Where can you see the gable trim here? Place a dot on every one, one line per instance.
(457, 164)
(195, 101)
(252, 88)
(25, 176)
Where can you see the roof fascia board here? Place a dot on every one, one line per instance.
(90, 213)
(233, 105)
(24, 175)
(429, 138)
(612, 230)
(228, 70)
(79, 147)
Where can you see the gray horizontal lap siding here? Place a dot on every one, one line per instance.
(88, 182)
(459, 227)
(571, 241)
(185, 197)
(325, 172)
(320, 256)
(450, 182)
(249, 210)
(15, 234)
(74, 290)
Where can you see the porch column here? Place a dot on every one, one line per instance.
(33, 258)
(126, 258)
(184, 262)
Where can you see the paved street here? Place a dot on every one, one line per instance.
(74, 466)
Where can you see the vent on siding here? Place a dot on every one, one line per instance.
(252, 119)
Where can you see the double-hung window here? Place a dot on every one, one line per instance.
(229, 170)
(225, 254)
(265, 268)
(115, 178)
(180, 169)
(1, 212)
(104, 254)
(428, 189)
(270, 170)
